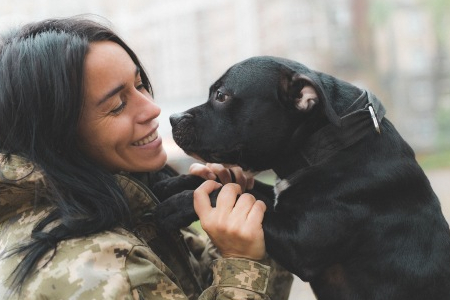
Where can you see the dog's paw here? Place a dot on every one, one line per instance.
(176, 211)
(174, 185)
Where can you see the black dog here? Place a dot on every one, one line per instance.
(352, 213)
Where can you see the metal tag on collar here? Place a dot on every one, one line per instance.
(374, 119)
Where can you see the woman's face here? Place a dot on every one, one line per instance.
(118, 126)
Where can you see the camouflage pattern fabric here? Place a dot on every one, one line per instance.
(118, 264)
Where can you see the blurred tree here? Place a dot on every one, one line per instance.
(381, 12)
(367, 15)
(440, 12)
(440, 16)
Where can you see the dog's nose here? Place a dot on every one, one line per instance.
(176, 118)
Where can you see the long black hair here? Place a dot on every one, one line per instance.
(41, 99)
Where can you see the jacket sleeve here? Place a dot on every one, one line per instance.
(237, 279)
(205, 253)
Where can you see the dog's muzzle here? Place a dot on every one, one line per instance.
(183, 130)
(178, 117)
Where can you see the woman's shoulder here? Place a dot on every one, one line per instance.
(104, 251)
(93, 267)
(115, 242)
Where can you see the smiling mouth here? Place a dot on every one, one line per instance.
(148, 139)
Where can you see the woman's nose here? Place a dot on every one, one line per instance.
(146, 109)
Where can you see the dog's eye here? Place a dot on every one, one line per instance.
(221, 97)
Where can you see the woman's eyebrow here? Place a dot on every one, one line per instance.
(116, 89)
(110, 94)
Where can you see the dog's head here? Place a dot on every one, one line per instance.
(255, 109)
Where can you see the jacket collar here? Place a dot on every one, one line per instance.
(23, 185)
(142, 200)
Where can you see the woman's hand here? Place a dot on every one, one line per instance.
(234, 225)
(225, 175)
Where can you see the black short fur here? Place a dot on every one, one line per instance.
(360, 222)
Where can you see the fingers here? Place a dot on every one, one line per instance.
(243, 205)
(222, 173)
(213, 171)
(234, 226)
(234, 175)
(202, 202)
(256, 214)
(244, 179)
(239, 177)
(227, 198)
(202, 171)
(248, 211)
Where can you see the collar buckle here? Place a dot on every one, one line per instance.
(373, 115)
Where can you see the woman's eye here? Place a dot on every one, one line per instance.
(221, 97)
(141, 86)
(119, 108)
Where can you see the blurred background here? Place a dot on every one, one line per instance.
(398, 49)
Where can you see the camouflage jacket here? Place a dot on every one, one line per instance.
(140, 263)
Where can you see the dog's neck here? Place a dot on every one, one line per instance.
(361, 117)
(289, 165)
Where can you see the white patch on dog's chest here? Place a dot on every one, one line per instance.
(280, 185)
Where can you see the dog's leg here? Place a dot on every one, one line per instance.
(177, 210)
(171, 186)
(310, 230)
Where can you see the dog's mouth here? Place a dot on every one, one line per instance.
(230, 157)
(187, 139)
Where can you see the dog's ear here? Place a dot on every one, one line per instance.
(307, 94)
(306, 99)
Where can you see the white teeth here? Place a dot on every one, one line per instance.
(147, 139)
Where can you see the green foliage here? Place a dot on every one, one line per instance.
(443, 120)
(198, 227)
(439, 160)
(440, 11)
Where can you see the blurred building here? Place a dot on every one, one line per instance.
(390, 47)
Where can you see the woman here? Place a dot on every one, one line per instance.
(78, 124)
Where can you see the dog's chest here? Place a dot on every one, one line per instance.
(280, 186)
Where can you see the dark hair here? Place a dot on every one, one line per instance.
(41, 98)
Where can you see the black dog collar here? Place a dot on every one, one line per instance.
(365, 113)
